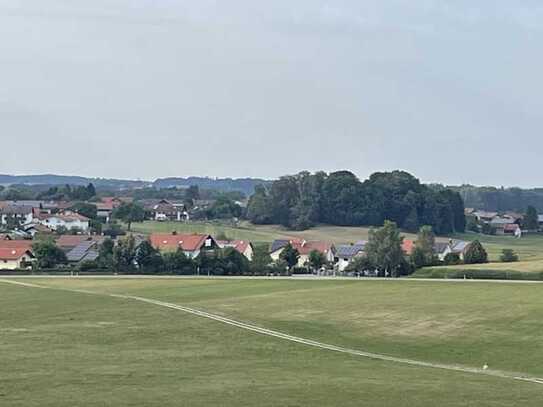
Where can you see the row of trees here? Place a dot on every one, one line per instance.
(385, 255)
(500, 199)
(128, 257)
(340, 198)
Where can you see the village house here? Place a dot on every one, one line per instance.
(484, 216)
(107, 205)
(68, 220)
(190, 244)
(442, 249)
(15, 258)
(23, 214)
(505, 225)
(345, 254)
(84, 251)
(304, 249)
(68, 242)
(163, 210)
(242, 246)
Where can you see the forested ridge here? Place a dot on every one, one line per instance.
(300, 201)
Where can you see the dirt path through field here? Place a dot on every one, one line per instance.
(296, 339)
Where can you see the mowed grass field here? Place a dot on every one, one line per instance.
(64, 348)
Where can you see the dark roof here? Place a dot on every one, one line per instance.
(82, 251)
(16, 210)
(349, 251)
(440, 247)
(277, 244)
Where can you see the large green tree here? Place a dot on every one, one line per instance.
(48, 255)
(290, 255)
(124, 254)
(424, 247)
(316, 260)
(129, 213)
(531, 219)
(261, 260)
(384, 249)
(148, 258)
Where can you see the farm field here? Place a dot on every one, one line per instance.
(65, 348)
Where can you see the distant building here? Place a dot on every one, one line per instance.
(442, 249)
(191, 244)
(23, 213)
(15, 258)
(242, 246)
(84, 251)
(68, 220)
(345, 254)
(304, 247)
(163, 210)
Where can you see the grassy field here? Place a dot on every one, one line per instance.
(259, 233)
(62, 348)
(529, 247)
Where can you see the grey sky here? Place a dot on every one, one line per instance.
(449, 90)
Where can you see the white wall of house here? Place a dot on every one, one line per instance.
(304, 258)
(54, 223)
(15, 264)
(25, 219)
(248, 253)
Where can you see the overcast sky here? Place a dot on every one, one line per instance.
(450, 90)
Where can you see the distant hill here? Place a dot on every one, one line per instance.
(245, 185)
(51, 179)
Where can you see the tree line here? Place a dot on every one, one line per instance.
(500, 199)
(340, 198)
(129, 257)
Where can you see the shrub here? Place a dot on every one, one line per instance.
(509, 256)
(452, 259)
(475, 253)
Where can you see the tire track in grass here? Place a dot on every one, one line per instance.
(309, 342)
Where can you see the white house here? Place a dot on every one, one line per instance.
(345, 254)
(242, 246)
(24, 214)
(190, 244)
(68, 220)
(15, 258)
(441, 249)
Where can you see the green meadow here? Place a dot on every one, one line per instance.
(65, 348)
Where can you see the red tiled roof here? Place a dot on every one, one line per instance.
(187, 242)
(13, 254)
(305, 247)
(408, 246)
(104, 206)
(16, 244)
(240, 245)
